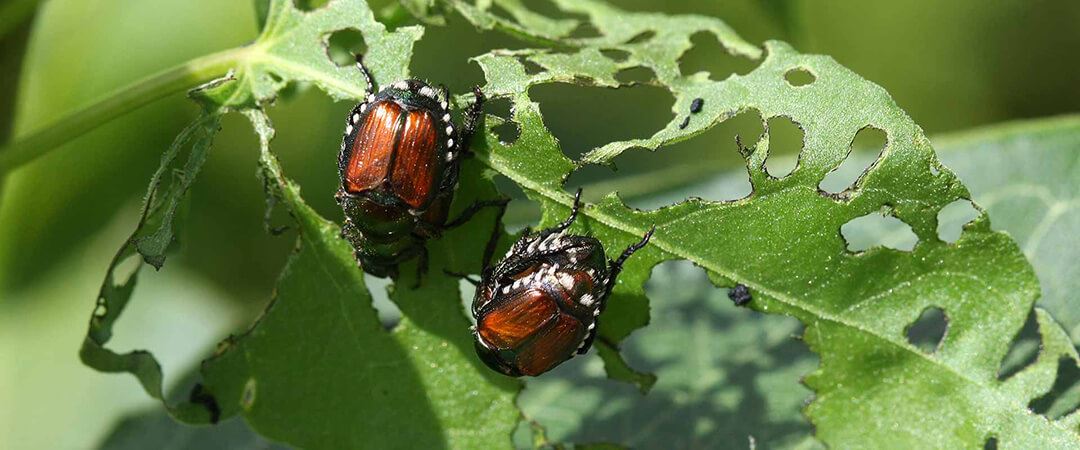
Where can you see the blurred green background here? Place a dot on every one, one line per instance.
(950, 65)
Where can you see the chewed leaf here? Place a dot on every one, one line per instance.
(320, 343)
(293, 48)
(522, 22)
(783, 243)
(151, 238)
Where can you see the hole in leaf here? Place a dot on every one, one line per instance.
(635, 75)
(310, 5)
(389, 314)
(928, 330)
(952, 217)
(708, 55)
(934, 169)
(531, 68)
(344, 45)
(991, 443)
(642, 37)
(587, 117)
(877, 229)
(521, 212)
(702, 165)
(585, 30)
(868, 139)
(499, 107)
(1064, 396)
(507, 132)
(615, 54)
(785, 143)
(799, 77)
(1024, 349)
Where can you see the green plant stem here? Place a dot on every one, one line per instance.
(116, 104)
(14, 12)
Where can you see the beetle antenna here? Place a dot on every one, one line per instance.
(367, 75)
(616, 266)
(573, 214)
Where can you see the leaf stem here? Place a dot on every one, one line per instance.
(117, 103)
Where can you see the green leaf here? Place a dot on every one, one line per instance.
(152, 237)
(292, 48)
(423, 376)
(784, 243)
(1027, 176)
(319, 358)
(725, 373)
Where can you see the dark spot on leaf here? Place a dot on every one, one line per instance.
(642, 37)
(876, 229)
(615, 54)
(201, 396)
(928, 330)
(1023, 350)
(785, 143)
(991, 443)
(740, 295)
(696, 104)
(953, 217)
(343, 45)
(799, 77)
(685, 123)
(707, 55)
(857, 162)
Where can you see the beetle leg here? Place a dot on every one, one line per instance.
(473, 113)
(616, 266)
(463, 276)
(474, 208)
(421, 267)
(367, 75)
(493, 240)
(569, 220)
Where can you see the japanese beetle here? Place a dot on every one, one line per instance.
(398, 167)
(540, 305)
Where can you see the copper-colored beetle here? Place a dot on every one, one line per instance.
(398, 168)
(539, 306)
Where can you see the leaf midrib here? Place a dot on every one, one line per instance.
(658, 241)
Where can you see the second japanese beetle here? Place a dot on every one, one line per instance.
(540, 305)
